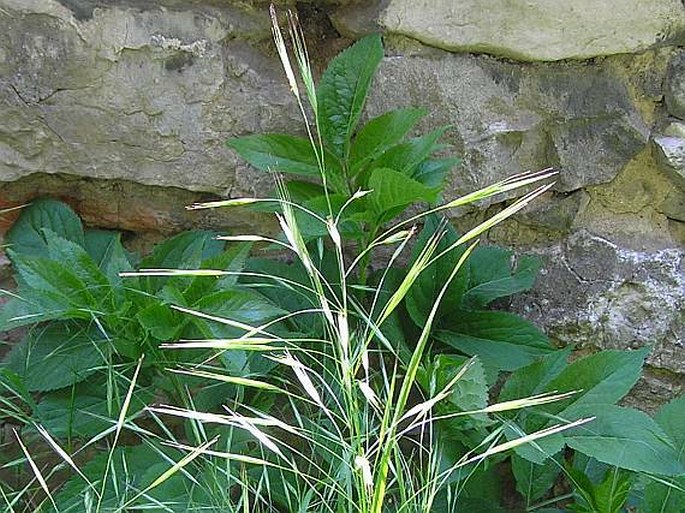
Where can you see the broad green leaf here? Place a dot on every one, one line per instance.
(539, 451)
(434, 172)
(280, 153)
(67, 415)
(26, 235)
(611, 494)
(300, 192)
(343, 90)
(470, 392)
(274, 283)
(56, 356)
(606, 494)
(492, 275)
(186, 250)
(501, 340)
(671, 418)
(243, 306)
(15, 398)
(591, 468)
(160, 321)
(381, 133)
(664, 498)
(533, 379)
(99, 245)
(75, 258)
(82, 411)
(18, 312)
(64, 284)
(67, 281)
(626, 438)
(106, 250)
(392, 190)
(481, 491)
(601, 378)
(534, 480)
(231, 260)
(406, 157)
(660, 497)
(311, 227)
(422, 295)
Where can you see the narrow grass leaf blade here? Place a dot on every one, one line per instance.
(511, 444)
(180, 464)
(234, 380)
(35, 469)
(62, 454)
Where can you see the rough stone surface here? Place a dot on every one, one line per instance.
(612, 298)
(147, 96)
(508, 118)
(670, 153)
(539, 30)
(126, 206)
(674, 205)
(674, 93)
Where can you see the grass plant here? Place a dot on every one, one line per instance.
(324, 382)
(350, 437)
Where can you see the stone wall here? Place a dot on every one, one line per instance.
(122, 108)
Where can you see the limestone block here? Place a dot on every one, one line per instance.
(597, 294)
(508, 118)
(147, 95)
(674, 93)
(669, 149)
(539, 30)
(673, 205)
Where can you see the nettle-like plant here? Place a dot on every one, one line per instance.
(322, 382)
(86, 330)
(85, 317)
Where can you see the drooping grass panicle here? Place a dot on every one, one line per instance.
(304, 67)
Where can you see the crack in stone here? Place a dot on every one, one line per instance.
(19, 95)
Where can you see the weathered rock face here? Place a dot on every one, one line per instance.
(122, 107)
(509, 118)
(539, 30)
(595, 294)
(669, 147)
(613, 298)
(148, 96)
(674, 93)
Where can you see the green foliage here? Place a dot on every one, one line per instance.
(132, 469)
(27, 234)
(56, 356)
(377, 157)
(626, 438)
(342, 93)
(622, 438)
(608, 496)
(668, 495)
(319, 382)
(502, 341)
(534, 480)
(87, 324)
